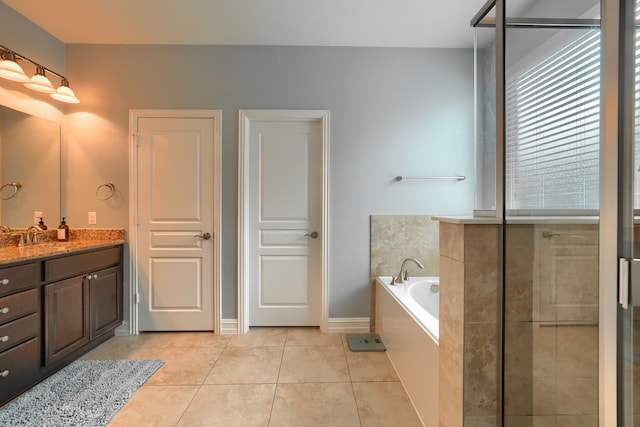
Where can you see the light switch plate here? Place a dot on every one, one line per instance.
(92, 218)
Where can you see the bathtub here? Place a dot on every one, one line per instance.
(407, 321)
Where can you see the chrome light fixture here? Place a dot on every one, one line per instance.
(11, 70)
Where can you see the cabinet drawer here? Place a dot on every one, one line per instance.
(18, 305)
(72, 265)
(18, 331)
(20, 363)
(19, 277)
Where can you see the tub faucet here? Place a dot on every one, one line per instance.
(404, 273)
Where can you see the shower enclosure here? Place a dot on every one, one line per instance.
(556, 161)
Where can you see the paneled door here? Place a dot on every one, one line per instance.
(285, 222)
(176, 171)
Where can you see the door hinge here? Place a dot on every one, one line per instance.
(137, 138)
(137, 298)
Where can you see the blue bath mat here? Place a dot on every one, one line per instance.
(365, 342)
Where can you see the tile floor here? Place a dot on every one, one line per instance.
(268, 377)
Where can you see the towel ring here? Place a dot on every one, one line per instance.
(15, 185)
(105, 191)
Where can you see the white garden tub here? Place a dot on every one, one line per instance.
(407, 321)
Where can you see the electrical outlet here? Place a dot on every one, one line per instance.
(92, 218)
(36, 216)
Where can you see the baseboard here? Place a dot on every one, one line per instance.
(335, 325)
(228, 326)
(348, 324)
(123, 329)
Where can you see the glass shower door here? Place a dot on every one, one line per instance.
(628, 238)
(551, 202)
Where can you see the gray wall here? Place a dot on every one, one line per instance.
(393, 112)
(21, 35)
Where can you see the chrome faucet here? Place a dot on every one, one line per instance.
(5, 229)
(32, 230)
(404, 273)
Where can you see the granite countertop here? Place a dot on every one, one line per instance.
(80, 240)
(11, 254)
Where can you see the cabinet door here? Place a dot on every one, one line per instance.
(106, 300)
(66, 317)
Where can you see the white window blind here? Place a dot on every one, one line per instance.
(553, 130)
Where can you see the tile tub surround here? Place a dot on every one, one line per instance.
(263, 378)
(396, 237)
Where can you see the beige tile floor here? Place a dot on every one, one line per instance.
(268, 377)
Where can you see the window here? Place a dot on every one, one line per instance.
(553, 129)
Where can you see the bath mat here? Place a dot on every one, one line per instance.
(85, 393)
(365, 342)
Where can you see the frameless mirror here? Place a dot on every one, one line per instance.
(29, 169)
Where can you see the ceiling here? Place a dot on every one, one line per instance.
(384, 23)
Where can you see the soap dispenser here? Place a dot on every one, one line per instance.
(63, 231)
(41, 224)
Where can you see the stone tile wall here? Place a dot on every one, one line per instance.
(551, 355)
(396, 237)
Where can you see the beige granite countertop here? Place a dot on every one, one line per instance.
(80, 239)
(11, 254)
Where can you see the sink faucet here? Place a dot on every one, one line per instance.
(404, 273)
(32, 230)
(5, 229)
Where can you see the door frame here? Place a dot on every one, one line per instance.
(245, 118)
(134, 115)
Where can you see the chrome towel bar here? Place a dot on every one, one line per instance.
(428, 178)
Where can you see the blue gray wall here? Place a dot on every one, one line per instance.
(393, 112)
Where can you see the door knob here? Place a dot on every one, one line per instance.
(205, 236)
(313, 234)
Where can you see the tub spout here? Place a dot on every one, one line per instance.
(404, 273)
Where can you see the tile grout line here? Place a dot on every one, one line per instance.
(186, 408)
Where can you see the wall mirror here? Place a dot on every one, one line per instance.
(29, 169)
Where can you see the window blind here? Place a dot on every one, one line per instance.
(553, 130)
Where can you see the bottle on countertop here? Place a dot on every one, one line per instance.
(41, 224)
(63, 231)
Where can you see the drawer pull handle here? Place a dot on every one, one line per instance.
(95, 275)
(4, 310)
(4, 338)
(88, 277)
(4, 282)
(4, 373)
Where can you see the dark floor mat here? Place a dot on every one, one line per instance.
(365, 342)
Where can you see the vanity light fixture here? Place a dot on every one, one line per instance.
(64, 93)
(39, 82)
(11, 70)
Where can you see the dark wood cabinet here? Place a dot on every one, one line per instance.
(66, 312)
(19, 335)
(53, 310)
(105, 293)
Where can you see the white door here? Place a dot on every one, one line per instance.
(175, 186)
(285, 222)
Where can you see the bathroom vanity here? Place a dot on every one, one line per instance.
(57, 302)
